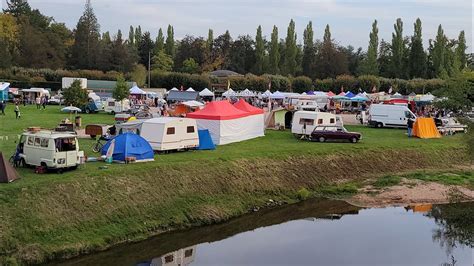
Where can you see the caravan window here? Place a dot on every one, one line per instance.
(65, 144)
(111, 104)
(188, 253)
(320, 121)
(170, 131)
(44, 143)
(306, 121)
(169, 259)
(191, 129)
(30, 141)
(332, 121)
(37, 142)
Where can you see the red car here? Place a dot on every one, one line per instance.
(323, 133)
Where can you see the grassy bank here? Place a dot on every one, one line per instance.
(54, 216)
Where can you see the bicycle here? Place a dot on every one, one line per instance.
(98, 145)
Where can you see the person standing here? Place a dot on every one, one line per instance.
(2, 107)
(43, 102)
(38, 102)
(410, 123)
(17, 111)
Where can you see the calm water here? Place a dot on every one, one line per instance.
(316, 232)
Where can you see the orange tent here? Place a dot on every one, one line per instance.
(7, 173)
(425, 128)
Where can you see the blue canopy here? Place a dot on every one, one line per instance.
(205, 140)
(350, 95)
(360, 99)
(310, 92)
(130, 145)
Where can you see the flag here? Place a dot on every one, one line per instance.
(342, 88)
(390, 90)
(374, 89)
(181, 88)
(270, 85)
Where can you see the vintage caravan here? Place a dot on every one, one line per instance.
(50, 149)
(170, 133)
(115, 107)
(304, 122)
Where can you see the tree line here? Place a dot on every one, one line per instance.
(32, 40)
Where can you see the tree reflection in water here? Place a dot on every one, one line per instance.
(455, 225)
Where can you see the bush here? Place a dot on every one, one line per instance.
(169, 80)
(75, 95)
(367, 82)
(279, 83)
(303, 194)
(301, 84)
(348, 82)
(325, 85)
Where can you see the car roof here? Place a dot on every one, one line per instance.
(49, 134)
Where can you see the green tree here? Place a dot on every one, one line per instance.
(139, 75)
(461, 50)
(138, 36)
(290, 50)
(242, 55)
(259, 52)
(210, 40)
(121, 59)
(274, 52)
(86, 44)
(162, 62)
(17, 8)
(145, 50)
(438, 56)
(331, 61)
(121, 90)
(160, 42)
(170, 45)
(417, 53)
(308, 51)
(131, 36)
(398, 49)
(75, 95)
(190, 66)
(370, 65)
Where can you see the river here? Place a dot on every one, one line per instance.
(314, 232)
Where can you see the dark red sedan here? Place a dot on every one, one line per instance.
(324, 133)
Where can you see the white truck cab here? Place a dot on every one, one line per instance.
(50, 149)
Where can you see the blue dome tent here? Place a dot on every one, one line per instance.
(130, 145)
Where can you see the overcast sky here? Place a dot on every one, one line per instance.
(350, 21)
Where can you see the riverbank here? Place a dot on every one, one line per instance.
(48, 217)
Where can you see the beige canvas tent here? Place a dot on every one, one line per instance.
(7, 173)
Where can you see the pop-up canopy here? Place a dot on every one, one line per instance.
(246, 107)
(137, 90)
(206, 93)
(219, 110)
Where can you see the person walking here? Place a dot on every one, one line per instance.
(43, 102)
(2, 107)
(17, 111)
(410, 123)
(38, 102)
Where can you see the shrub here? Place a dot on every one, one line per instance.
(348, 82)
(303, 194)
(367, 82)
(301, 84)
(279, 83)
(325, 85)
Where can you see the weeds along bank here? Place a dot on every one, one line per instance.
(53, 216)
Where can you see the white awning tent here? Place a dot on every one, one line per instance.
(266, 94)
(206, 93)
(137, 90)
(190, 89)
(229, 93)
(246, 93)
(277, 95)
(193, 104)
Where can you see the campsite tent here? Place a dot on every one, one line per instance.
(267, 94)
(350, 95)
(190, 89)
(277, 95)
(331, 94)
(246, 107)
(229, 93)
(7, 173)
(227, 124)
(130, 145)
(205, 140)
(137, 91)
(206, 93)
(425, 128)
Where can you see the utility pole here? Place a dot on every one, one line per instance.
(149, 69)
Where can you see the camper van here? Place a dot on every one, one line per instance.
(389, 115)
(307, 105)
(170, 133)
(50, 149)
(114, 107)
(304, 122)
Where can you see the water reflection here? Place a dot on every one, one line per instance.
(317, 232)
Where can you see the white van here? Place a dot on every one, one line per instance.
(307, 105)
(112, 106)
(304, 122)
(389, 115)
(50, 149)
(170, 133)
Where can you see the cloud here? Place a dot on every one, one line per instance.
(349, 20)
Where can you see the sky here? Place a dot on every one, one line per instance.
(350, 21)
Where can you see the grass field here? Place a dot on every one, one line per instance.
(62, 215)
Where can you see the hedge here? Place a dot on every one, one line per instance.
(169, 80)
(301, 84)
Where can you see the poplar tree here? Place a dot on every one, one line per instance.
(160, 42)
(438, 56)
(274, 52)
(369, 65)
(308, 50)
(290, 50)
(138, 36)
(210, 40)
(398, 49)
(131, 36)
(461, 50)
(169, 45)
(259, 52)
(417, 59)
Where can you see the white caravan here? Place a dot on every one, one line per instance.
(388, 115)
(307, 105)
(112, 106)
(50, 149)
(170, 133)
(304, 122)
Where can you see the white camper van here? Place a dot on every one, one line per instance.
(50, 149)
(114, 107)
(170, 133)
(304, 122)
(388, 115)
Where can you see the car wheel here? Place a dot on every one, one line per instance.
(379, 125)
(59, 171)
(88, 111)
(322, 139)
(354, 140)
(113, 112)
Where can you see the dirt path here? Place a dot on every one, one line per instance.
(410, 192)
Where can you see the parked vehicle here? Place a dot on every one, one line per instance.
(389, 115)
(450, 126)
(114, 107)
(324, 133)
(50, 149)
(304, 122)
(56, 100)
(307, 105)
(94, 104)
(170, 133)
